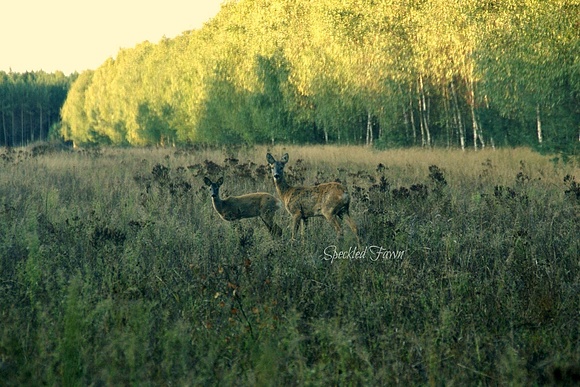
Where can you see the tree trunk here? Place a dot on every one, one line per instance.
(477, 132)
(13, 129)
(380, 134)
(538, 124)
(407, 122)
(48, 123)
(405, 115)
(425, 133)
(41, 122)
(412, 117)
(447, 117)
(21, 125)
(475, 128)
(30, 134)
(420, 111)
(458, 117)
(369, 140)
(423, 136)
(4, 128)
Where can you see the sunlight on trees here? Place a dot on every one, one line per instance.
(455, 73)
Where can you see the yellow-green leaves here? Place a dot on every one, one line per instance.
(410, 71)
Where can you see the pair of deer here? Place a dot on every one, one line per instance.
(330, 200)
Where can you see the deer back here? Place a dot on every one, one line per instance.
(316, 200)
(248, 206)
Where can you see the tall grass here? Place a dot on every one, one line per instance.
(116, 270)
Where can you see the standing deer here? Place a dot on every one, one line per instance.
(259, 204)
(330, 200)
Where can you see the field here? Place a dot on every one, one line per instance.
(116, 270)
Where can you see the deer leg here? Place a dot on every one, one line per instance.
(268, 219)
(267, 223)
(334, 222)
(276, 230)
(352, 226)
(296, 218)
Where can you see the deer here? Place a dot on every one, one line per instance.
(259, 204)
(330, 200)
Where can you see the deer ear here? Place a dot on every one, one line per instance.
(207, 181)
(284, 158)
(270, 158)
(220, 181)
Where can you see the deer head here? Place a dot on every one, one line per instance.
(277, 166)
(214, 187)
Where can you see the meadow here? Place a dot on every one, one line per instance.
(116, 270)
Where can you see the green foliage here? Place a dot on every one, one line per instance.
(116, 270)
(72, 340)
(447, 73)
(30, 105)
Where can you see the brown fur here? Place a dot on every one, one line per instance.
(330, 200)
(259, 204)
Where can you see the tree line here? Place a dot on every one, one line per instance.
(456, 73)
(30, 105)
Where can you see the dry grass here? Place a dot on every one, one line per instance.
(414, 162)
(116, 270)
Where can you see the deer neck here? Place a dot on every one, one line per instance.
(218, 204)
(282, 186)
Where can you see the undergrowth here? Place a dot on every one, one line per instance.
(115, 270)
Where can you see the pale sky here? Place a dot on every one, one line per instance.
(77, 35)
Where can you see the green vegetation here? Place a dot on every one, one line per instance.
(30, 105)
(450, 73)
(116, 270)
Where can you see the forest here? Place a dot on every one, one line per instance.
(30, 105)
(463, 74)
(459, 73)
